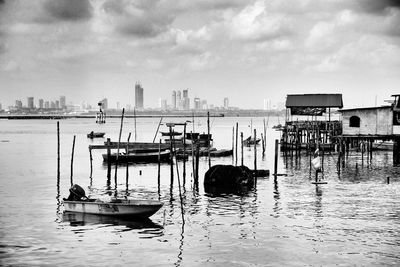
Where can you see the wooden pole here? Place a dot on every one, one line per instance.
(91, 162)
(171, 155)
(127, 162)
(179, 187)
(158, 127)
(184, 154)
(264, 138)
(134, 119)
(193, 159)
(262, 144)
(208, 139)
(197, 164)
(58, 150)
(119, 141)
(236, 148)
(72, 159)
(255, 151)
(159, 165)
(276, 159)
(108, 158)
(241, 142)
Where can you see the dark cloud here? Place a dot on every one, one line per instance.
(69, 10)
(378, 6)
(141, 19)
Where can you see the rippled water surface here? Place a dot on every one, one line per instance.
(352, 220)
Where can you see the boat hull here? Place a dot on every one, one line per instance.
(130, 208)
(138, 157)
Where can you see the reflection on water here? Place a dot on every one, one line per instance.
(148, 228)
(351, 220)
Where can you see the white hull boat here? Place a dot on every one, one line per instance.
(116, 207)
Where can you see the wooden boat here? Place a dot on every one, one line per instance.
(115, 207)
(250, 141)
(95, 135)
(221, 153)
(78, 202)
(172, 133)
(141, 157)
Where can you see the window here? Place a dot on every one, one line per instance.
(354, 121)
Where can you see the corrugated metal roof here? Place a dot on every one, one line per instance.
(315, 100)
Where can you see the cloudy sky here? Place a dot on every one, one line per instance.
(242, 49)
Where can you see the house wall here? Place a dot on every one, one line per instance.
(372, 121)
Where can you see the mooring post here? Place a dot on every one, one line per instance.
(184, 154)
(208, 139)
(396, 151)
(159, 165)
(276, 159)
(134, 119)
(241, 147)
(91, 162)
(127, 162)
(171, 154)
(197, 165)
(119, 141)
(255, 152)
(108, 158)
(179, 187)
(237, 129)
(265, 137)
(72, 160)
(233, 142)
(262, 144)
(58, 150)
(388, 180)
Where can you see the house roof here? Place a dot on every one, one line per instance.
(367, 108)
(315, 101)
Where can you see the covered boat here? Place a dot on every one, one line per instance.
(78, 202)
(138, 157)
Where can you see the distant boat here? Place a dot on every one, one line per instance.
(138, 157)
(95, 135)
(78, 202)
(172, 133)
(221, 153)
(250, 141)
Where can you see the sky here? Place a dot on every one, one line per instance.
(241, 49)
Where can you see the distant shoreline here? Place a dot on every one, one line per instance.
(245, 113)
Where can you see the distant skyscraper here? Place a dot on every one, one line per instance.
(162, 104)
(226, 103)
(41, 101)
(63, 104)
(138, 95)
(18, 104)
(47, 104)
(57, 104)
(204, 104)
(197, 103)
(179, 103)
(173, 99)
(185, 93)
(30, 102)
(186, 100)
(52, 104)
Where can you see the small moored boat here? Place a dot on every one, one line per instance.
(78, 202)
(138, 157)
(95, 135)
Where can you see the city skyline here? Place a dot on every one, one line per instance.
(246, 50)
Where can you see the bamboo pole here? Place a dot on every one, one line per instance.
(179, 187)
(171, 156)
(72, 160)
(119, 141)
(158, 127)
(276, 159)
(184, 154)
(193, 159)
(241, 142)
(237, 129)
(255, 152)
(208, 139)
(108, 159)
(134, 118)
(159, 165)
(91, 162)
(58, 150)
(127, 162)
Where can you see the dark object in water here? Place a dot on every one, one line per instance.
(228, 176)
(145, 157)
(221, 153)
(261, 173)
(173, 133)
(95, 135)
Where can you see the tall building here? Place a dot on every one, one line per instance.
(226, 103)
(179, 103)
(197, 103)
(52, 105)
(204, 104)
(47, 104)
(57, 104)
(31, 105)
(41, 101)
(18, 104)
(138, 95)
(63, 104)
(163, 104)
(174, 99)
(186, 100)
